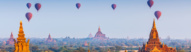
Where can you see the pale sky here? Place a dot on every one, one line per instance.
(132, 18)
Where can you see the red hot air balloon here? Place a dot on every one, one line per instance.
(158, 14)
(78, 5)
(28, 16)
(150, 3)
(29, 5)
(113, 6)
(37, 6)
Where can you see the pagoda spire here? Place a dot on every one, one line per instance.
(11, 35)
(21, 35)
(154, 38)
(99, 29)
(49, 36)
(21, 45)
(154, 33)
(154, 25)
(154, 44)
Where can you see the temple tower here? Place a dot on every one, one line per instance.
(99, 35)
(49, 39)
(21, 45)
(154, 38)
(10, 41)
(154, 44)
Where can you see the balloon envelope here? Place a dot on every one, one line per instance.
(158, 14)
(28, 16)
(37, 6)
(78, 5)
(28, 5)
(150, 3)
(113, 6)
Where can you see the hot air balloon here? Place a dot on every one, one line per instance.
(78, 5)
(113, 6)
(28, 16)
(37, 6)
(150, 3)
(29, 5)
(158, 14)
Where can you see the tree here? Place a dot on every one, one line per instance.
(181, 50)
(81, 49)
(118, 48)
(35, 48)
(62, 49)
(112, 49)
(55, 49)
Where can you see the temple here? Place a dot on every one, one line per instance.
(21, 45)
(99, 35)
(49, 39)
(154, 44)
(10, 41)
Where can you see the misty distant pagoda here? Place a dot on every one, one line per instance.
(21, 45)
(10, 41)
(154, 44)
(49, 39)
(99, 35)
(90, 35)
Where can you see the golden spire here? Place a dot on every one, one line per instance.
(154, 33)
(21, 27)
(21, 45)
(21, 35)
(154, 25)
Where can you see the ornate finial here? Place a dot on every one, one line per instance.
(20, 22)
(21, 27)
